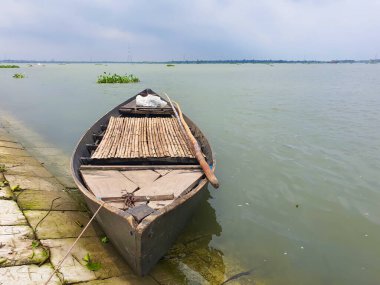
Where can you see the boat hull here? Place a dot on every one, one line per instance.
(143, 244)
(143, 247)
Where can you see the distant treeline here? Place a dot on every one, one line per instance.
(232, 61)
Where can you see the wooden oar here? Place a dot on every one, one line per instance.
(194, 145)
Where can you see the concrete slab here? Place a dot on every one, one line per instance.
(73, 268)
(5, 191)
(10, 214)
(10, 144)
(35, 183)
(29, 160)
(60, 224)
(27, 170)
(123, 280)
(41, 200)
(27, 275)
(16, 247)
(13, 151)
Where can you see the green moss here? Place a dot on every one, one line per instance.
(115, 78)
(170, 65)
(16, 188)
(9, 66)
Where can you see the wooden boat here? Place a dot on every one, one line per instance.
(136, 160)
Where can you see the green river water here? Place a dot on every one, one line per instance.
(297, 149)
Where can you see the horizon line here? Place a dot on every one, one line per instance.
(194, 61)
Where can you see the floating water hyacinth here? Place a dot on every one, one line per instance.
(115, 78)
(18, 75)
(9, 66)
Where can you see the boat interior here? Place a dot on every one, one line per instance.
(140, 160)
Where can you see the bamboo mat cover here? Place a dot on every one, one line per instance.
(142, 138)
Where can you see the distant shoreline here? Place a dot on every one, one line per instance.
(242, 61)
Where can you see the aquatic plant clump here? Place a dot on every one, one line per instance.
(9, 66)
(115, 78)
(18, 75)
(170, 65)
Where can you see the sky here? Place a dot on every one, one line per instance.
(163, 30)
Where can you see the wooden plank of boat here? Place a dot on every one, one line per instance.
(108, 183)
(141, 177)
(163, 172)
(176, 182)
(159, 204)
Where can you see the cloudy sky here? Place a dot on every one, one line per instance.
(198, 29)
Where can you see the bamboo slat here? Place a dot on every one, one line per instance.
(144, 137)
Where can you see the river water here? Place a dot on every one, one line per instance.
(297, 149)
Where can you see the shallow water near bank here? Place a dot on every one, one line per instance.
(297, 150)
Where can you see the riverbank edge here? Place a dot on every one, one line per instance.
(39, 220)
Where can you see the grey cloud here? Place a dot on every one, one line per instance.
(164, 30)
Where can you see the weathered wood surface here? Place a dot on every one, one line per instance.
(176, 182)
(159, 204)
(140, 198)
(110, 183)
(163, 172)
(130, 137)
(141, 177)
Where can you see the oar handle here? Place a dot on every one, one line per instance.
(194, 146)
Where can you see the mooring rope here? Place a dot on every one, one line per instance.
(72, 246)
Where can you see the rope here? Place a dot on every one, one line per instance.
(72, 246)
